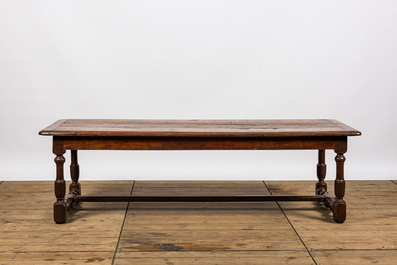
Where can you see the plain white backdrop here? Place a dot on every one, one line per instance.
(198, 59)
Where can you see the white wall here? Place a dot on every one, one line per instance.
(204, 60)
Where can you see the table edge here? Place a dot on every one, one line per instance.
(346, 131)
(49, 129)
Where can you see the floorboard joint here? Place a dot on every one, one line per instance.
(296, 232)
(122, 226)
(353, 249)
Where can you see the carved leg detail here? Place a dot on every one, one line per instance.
(60, 206)
(321, 186)
(339, 205)
(75, 186)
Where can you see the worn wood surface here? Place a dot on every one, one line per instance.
(198, 233)
(199, 128)
(206, 226)
(28, 234)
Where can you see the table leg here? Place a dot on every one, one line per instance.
(75, 186)
(60, 206)
(321, 186)
(339, 205)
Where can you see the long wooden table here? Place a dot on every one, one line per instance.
(320, 135)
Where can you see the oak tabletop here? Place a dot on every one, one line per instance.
(199, 128)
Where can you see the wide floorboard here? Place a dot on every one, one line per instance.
(198, 233)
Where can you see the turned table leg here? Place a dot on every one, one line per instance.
(75, 187)
(321, 186)
(60, 206)
(339, 205)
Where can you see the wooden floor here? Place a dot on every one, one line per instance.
(198, 233)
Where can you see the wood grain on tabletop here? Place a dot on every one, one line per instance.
(199, 128)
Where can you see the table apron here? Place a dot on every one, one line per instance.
(198, 143)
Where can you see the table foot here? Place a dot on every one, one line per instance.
(339, 210)
(60, 212)
(338, 207)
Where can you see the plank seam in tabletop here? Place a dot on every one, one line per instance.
(122, 226)
(286, 217)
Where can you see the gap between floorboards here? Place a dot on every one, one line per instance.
(122, 226)
(296, 232)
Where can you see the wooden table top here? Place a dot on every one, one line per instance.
(199, 128)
